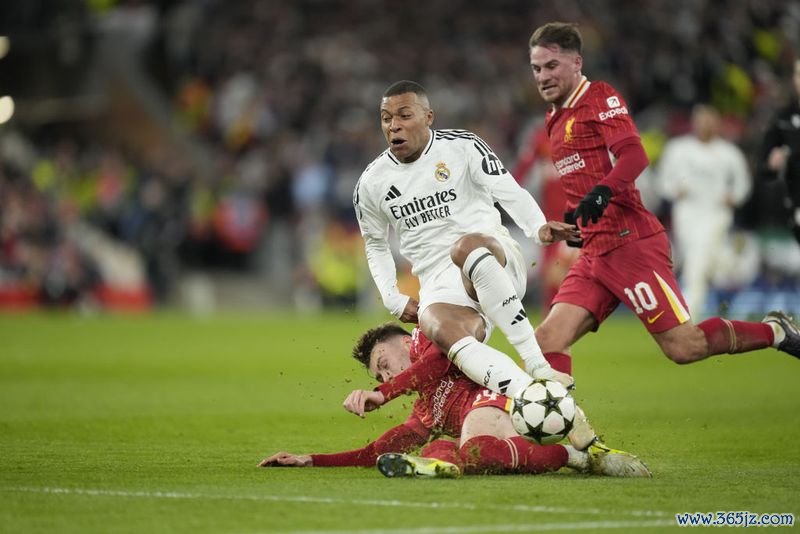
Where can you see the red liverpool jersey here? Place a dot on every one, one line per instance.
(445, 394)
(581, 132)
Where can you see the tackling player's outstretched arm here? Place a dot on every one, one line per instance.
(396, 377)
(401, 438)
(432, 365)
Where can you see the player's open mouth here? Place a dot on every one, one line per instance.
(396, 143)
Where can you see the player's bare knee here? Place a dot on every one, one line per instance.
(680, 353)
(683, 344)
(442, 333)
(550, 339)
(463, 246)
(430, 327)
(469, 242)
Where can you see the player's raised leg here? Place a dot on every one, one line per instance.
(689, 343)
(457, 331)
(482, 260)
(651, 291)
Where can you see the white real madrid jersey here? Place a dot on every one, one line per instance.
(704, 176)
(449, 191)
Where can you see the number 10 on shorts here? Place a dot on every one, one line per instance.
(642, 297)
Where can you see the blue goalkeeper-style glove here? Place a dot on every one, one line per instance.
(593, 204)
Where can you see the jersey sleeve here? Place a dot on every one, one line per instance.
(612, 117)
(613, 122)
(375, 231)
(430, 366)
(631, 161)
(402, 438)
(488, 171)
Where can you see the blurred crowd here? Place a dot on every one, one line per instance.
(281, 98)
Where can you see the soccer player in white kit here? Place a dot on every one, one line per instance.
(705, 177)
(436, 189)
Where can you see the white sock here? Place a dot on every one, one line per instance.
(500, 303)
(780, 335)
(578, 460)
(487, 366)
(582, 434)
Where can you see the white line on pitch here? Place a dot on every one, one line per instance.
(529, 527)
(329, 500)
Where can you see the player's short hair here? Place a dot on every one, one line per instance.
(405, 86)
(363, 349)
(563, 34)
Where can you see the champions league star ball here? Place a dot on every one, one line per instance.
(543, 412)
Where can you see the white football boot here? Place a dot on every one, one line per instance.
(615, 463)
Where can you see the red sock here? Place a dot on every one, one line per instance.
(733, 337)
(559, 361)
(487, 454)
(443, 449)
(535, 458)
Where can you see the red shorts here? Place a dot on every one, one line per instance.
(485, 397)
(639, 274)
(469, 396)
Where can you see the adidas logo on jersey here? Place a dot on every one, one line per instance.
(393, 194)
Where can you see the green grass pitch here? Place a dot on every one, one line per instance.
(156, 423)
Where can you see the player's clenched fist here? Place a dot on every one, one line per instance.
(593, 204)
(360, 401)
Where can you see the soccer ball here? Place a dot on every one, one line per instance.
(543, 412)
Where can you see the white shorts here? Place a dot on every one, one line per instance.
(447, 286)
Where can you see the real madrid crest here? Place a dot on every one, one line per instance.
(442, 173)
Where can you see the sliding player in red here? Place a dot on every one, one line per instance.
(451, 404)
(625, 256)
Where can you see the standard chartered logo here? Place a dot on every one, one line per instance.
(569, 164)
(440, 398)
